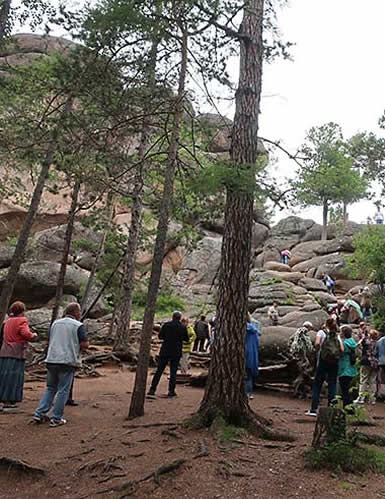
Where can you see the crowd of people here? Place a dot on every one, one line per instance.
(337, 349)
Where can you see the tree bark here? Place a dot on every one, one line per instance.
(4, 20)
(325, 210)
(22, 241)
(345, 213)
(128, 280)
(66, 250)
(225, 391)
(138, 395)
(330, 427)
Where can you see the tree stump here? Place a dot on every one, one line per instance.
(330, 427)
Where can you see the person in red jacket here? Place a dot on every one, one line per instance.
(16, 335)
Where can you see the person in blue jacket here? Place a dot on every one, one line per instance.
(252, 360)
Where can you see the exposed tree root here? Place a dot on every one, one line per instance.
(249, 421)
(15, 464)
(131, 484)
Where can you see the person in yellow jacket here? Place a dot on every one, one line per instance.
(186, 349)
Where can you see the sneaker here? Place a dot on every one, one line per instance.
(250, 397)
(151, 394)
(171, 395)
(57, 422)
(9, 406)
(43, 418)
(359, 401)
(311, 413)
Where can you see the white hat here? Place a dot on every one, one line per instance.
(308, 324)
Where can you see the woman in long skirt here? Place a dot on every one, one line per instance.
(16, 335)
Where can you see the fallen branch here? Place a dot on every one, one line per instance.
(202, 450)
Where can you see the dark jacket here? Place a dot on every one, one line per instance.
(173, 334)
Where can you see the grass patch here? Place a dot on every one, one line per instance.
(347, 457)
(225, 432)
(166, 304)
(269, 282)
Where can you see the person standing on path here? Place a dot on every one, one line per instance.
(67, 337)
(186, 349)
(173, 334)
(251, 354)
(380, 355)
(347, 364)
(369, 368)
(330, 349)
(202, 332)
(16, 335)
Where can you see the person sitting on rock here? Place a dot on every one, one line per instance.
(273, 314)
(285, 256)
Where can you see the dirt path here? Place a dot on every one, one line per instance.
(82, 457)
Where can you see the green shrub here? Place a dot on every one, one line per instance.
(166, 304)
(346, 456)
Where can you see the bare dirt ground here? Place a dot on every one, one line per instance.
(98, 450)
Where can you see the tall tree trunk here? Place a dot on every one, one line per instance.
(225, 391)
(128, 280)
(66, 250)
(345, 213)
(5, 10)
(325, 210)
(138, 396)
(99, 253)
(22, 241)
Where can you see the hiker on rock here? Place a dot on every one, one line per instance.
(330, 348)
(67, 337)
(379, 217)
(15, 337)
(347, 364)
(173, 334)
(369, 367)
(285, 256)
(202, 332)
(329, 283)
(273, 314)
(365, 298)
(251, 354)
(187, 346)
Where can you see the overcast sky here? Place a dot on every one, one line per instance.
(337, 74)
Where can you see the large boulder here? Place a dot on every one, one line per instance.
(277, 266)
(296, 319)
(259, 234)
(36, 282)
(201, 265)
(312, 284)
(48, 244)
(314, 263)
(6, 255)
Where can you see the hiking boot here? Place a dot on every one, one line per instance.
(171, 395)
(57, 422)
(40, 419)
(311, 413)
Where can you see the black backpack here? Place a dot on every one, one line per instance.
(330, 348)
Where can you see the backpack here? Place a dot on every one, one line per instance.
(352, 356)
(201, 329)
(330, 348)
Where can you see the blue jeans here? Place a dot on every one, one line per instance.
(249, 382)
(59, 381)
(329, 371)
(162, 363)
